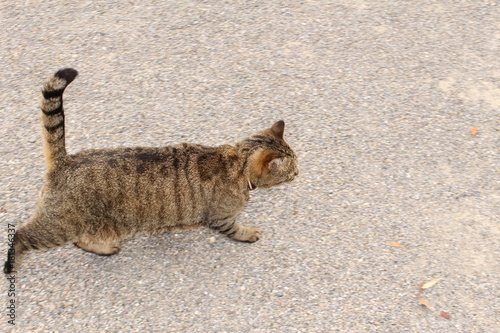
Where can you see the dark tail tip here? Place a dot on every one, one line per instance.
(67, 74)
(8, 267)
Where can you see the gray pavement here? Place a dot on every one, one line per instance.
(379, 99)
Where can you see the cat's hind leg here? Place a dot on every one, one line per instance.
(102, 247)
(232, 229)
(38, 234)
(15, 255)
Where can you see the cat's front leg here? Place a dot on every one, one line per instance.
(232, 229)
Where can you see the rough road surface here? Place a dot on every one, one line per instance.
(392, 107)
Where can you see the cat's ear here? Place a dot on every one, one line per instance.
(270, 160)
(264, 160)
(278, 129)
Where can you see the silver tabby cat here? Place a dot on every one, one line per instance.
(96, 198)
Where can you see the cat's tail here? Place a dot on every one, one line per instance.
(53, 116)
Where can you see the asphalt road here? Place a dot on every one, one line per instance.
(391, 106)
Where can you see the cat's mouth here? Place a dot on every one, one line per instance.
(292, 178)
(287, 181)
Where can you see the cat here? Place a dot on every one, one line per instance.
(96, 198)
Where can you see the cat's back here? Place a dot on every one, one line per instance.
(198, 160)
(145, 172)
(128, 161)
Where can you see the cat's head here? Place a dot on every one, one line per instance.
(272, 161)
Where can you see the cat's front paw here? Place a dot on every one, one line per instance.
(243, 234)
(255, 235)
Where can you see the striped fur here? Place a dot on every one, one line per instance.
(96, 198)
(53, 116)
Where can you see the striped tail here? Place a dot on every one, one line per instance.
(53, 116)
